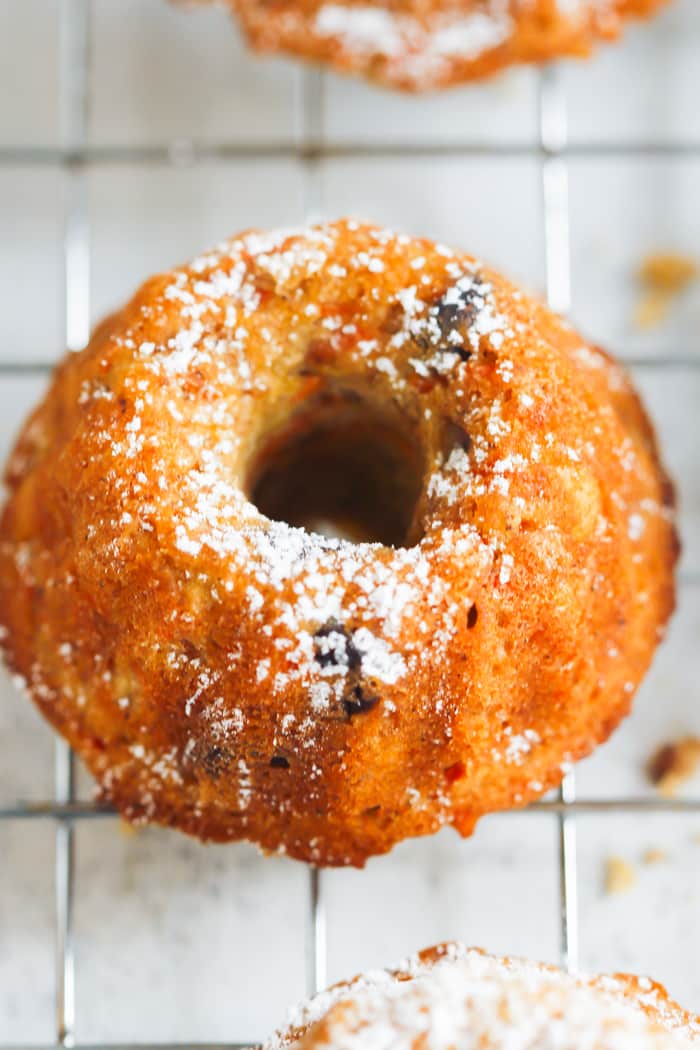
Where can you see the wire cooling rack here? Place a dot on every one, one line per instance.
(76, 156)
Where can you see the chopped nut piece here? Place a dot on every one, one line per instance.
(662, 276)
(651, 309)
(673, 764)
(654, 855)
(668, 271)
(620, 876)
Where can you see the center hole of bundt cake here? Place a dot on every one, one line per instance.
(342, 467)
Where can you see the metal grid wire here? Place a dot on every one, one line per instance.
(76, 156)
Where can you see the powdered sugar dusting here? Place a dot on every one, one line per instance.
(420, 47)
(466, 999)
(295, 582)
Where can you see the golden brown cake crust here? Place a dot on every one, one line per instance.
(242, 678)
(450, 996)
(419, 45)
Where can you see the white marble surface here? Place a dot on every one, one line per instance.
(184, 942)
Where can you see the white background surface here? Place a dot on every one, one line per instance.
(180, 941)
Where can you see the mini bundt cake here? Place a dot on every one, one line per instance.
(455, 998)
(418, 45)
(330, 538)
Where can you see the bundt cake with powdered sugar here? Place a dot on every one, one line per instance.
(454, 998)
(330, 538)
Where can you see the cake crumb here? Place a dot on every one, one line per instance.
(654, 855)
(651, 309)
(620, 876)
(673, 764)
(662, 277)
(668, 271)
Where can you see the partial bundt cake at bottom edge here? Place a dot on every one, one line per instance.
(455, 998)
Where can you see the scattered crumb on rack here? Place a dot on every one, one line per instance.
(674, 763)
(662, 276)
(620, 876)
(654, 855)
